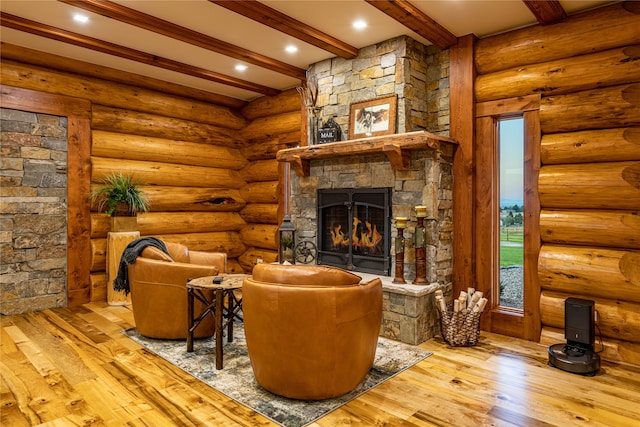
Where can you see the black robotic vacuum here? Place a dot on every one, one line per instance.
(574, 359)
(577, 354)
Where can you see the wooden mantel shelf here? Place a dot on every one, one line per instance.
(397, 148)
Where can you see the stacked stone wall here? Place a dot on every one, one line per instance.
(417, 74)
(438, 114)
(33, 198)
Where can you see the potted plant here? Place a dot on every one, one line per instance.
(119, 196)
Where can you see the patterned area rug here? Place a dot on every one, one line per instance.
(236, 379)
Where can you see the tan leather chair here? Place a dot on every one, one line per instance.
(311, 331)
(159, 292)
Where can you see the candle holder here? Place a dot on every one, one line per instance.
(401, 224)
(421, 247)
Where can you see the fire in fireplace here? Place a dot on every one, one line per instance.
(354, 229)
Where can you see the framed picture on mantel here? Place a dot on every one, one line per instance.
(373, 118)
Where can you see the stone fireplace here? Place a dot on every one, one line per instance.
(416, 167)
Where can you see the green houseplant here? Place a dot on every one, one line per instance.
(119, 195)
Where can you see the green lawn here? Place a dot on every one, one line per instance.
(511, 255)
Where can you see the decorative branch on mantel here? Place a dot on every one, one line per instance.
(396, 147)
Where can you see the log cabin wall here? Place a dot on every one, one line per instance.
(187, 152)
(192, 177)
(274, 124)
(587, 71)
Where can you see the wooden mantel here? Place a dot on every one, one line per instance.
(397, 148)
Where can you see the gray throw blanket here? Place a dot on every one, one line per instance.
(129, 255)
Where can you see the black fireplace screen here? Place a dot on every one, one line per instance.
(353, 229)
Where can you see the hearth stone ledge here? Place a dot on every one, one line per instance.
(409, 313)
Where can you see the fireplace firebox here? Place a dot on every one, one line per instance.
(354, 229)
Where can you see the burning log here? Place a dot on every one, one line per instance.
(364, 236)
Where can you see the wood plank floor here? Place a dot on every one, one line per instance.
(73, 367)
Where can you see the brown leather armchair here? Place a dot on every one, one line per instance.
(311, 331)
(159, 292)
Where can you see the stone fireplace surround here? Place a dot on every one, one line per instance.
(418, 168)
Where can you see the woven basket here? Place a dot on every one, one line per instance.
(460, 328)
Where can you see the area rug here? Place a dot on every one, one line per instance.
(236, 379)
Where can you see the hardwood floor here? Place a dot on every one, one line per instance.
(73, 367)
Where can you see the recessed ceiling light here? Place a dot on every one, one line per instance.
(359, 24)
(241, 67)
(291, 49)
(83, 19)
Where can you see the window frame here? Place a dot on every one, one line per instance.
(523, 323)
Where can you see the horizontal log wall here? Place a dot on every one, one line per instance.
(116, 95)
(193, 179)
(602, 145)
(597, 31)
(275, 124)
(593, 271)
(186, 152)
(209, 170)
(587, 69)
(591, 227)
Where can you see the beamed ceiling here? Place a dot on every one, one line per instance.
(199, 43)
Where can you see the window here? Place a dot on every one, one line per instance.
(511, 211)
(507, 213)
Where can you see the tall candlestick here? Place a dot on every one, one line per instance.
(401, 224)
(421, 248)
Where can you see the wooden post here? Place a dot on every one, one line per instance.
(462, 100)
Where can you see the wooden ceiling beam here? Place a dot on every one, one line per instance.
(272, 18)
(160, 26)
(546, 12)
(416, 20)
(54, 33)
